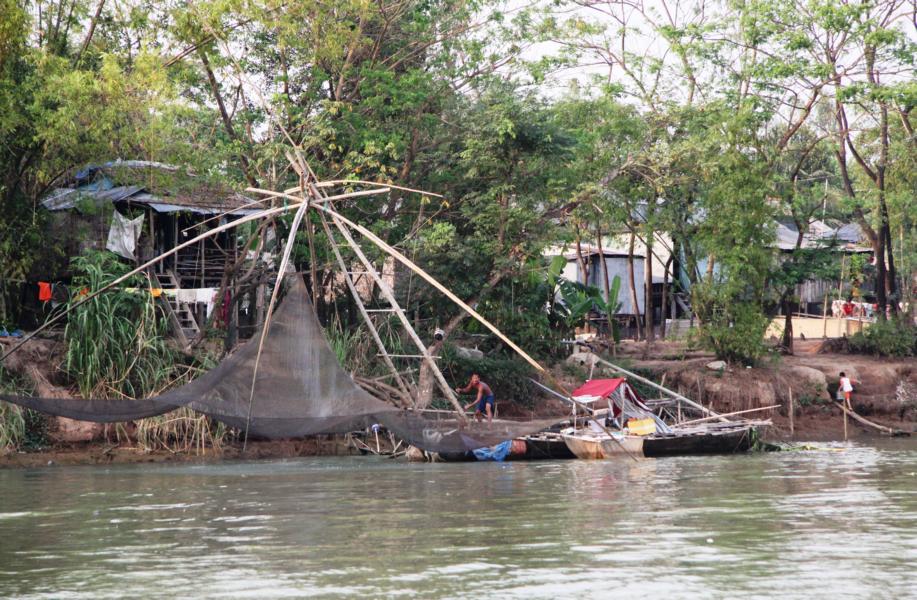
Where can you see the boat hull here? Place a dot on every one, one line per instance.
(547, 447)
(714, 441)
(595, 448)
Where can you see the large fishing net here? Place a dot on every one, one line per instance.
(300, 390)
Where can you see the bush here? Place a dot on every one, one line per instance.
(736, 334)
(894, 337)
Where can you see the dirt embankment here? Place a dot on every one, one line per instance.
(885, 389)
(104, 453)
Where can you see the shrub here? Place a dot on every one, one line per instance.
(735, 334)
(116, 347)
(894, 337)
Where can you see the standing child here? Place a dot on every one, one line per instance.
(845, 389)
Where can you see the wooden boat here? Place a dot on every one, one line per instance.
(546, 446)
(711, 438)
(589, 445)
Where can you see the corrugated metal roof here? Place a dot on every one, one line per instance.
(203, 199)
(68, 198)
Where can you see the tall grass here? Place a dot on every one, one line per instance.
(116, 345)
(181, 430)
(117, 348)
(14, 427)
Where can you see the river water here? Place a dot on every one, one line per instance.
(836, 522)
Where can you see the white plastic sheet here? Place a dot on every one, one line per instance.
(123, 235)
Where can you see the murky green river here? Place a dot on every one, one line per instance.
(840, 522)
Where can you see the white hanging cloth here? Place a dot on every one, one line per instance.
(123, 235)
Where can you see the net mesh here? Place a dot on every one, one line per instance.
(300, 390)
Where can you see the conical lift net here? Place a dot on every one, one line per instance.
(300, 390)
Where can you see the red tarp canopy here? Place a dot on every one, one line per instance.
(603, 388)
(598, 387)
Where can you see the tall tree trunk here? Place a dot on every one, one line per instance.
(785, 306)
(648, 291)
(605, 284)
(665, 295)
(224, 115)
(632, 284)
(581, 261)
(90, 31)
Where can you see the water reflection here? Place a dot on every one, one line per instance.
(840, 521)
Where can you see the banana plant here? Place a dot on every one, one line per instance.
(573, 301)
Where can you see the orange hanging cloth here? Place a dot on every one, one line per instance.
(44, 291)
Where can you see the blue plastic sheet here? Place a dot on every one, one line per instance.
(497, 453)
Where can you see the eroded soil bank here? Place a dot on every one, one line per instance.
(886, 388)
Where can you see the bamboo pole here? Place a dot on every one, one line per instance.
(281, 270)
(844, 410)
(432, 281)
(390, 296)
(732, 414)
(362, 308)
(334, 182)
(792, 415)
(869, 423)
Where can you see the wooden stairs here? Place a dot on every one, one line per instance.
(180, 314)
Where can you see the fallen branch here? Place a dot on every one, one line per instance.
(868, 423)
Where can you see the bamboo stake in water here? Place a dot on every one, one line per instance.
(792, 415)
(844, 410)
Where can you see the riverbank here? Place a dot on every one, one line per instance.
(886, 394)
(886, 388)
(104, 453)
(811, 425)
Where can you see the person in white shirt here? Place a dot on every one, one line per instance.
(846, 387)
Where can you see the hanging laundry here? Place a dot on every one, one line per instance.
(44, 291)
(123, 235)
(60, 294)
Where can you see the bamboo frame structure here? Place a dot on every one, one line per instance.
(348, 278)
(338, 218)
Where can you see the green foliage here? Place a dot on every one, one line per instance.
(894, 337)
(116, 342)
(733, 330)
(20, 428)
(12, 426)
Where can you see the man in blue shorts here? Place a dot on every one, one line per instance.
(484, 400)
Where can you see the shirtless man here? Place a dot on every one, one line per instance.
(484, 399)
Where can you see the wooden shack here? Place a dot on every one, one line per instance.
(143, 209)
